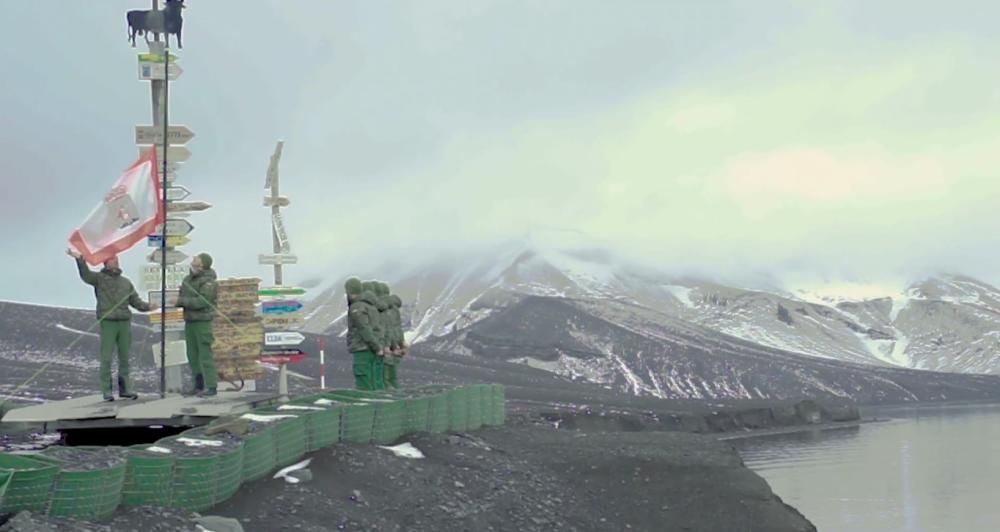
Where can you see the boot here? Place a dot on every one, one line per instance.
(199, 386)
(109, 397)
(123, 391)
(211, 392)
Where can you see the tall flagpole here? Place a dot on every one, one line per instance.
(163, 232)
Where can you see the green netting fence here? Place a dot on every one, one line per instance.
(89, 483)
(205, 466)
(29, 482)
(149, 476)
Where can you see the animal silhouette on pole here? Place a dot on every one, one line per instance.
(169, 21)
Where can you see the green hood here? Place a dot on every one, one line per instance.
(368, 297)
(353, 287)
(206, 260)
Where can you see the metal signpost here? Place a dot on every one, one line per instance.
(163, 276)
(279, 307)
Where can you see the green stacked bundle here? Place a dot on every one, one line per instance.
(29, 481)
(475, 396)
(289, 435)
(90, 480)
(458, 409)
(322, 421)
(209, 468)
(149, 476)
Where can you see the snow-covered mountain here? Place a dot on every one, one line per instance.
(947, 323)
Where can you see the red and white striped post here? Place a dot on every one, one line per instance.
(322, 364)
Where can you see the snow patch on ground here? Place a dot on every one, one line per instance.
(404, 450)
(62, 327)
(682, 293)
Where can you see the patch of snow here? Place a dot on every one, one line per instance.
(77, 331)
(195, 442)
(294, 467)
(161, 450)
(404, 450)
(682, 293)
(266, 419)
(300, 407)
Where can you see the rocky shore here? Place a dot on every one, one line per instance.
(547, 469)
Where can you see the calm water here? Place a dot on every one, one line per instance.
(929, 470)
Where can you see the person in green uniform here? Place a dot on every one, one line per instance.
(397, 346)
(378, 328)
(198, 298)
(114, 293)
(362, 341)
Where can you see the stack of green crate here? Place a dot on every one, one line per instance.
(90, 480)
(358, 415)
(29, 482)
(149, 477)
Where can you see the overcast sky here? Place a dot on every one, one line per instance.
(855, 140)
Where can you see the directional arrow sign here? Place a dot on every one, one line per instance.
(177, 135)
(279, 230)
(176, 193)
(176, 227)
(281, 307)
(291, 357)
(173, 256)
(283, 338)
(280, 201)
(277, 259)
(156, 58)
(154, 241)
(172, 295)
(151, 276)
(177, 154)
(157, 71)
(188, 206)
(283, 320)
(281, 291)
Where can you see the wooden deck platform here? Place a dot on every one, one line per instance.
(93, 412)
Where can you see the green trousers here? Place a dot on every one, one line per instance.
(115, 335)
(364, 370)
(391, 376)
(198, 337)
(379, 372)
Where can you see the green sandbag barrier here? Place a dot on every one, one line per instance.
(29, 482)
(417, 414)
(499, 405)
(458, 409)
(475, 394)
(390, 413)
(204, 474)
(357, 417)
(5, 477)
(260, 451)
(149, 477)
(89, 484)
(322, 421)
(289, 435)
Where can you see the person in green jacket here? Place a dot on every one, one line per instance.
(198, 298)
(397, 345)
(378, 327)
(362, 341)
(114, 293)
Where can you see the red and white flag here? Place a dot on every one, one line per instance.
(129, 212)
